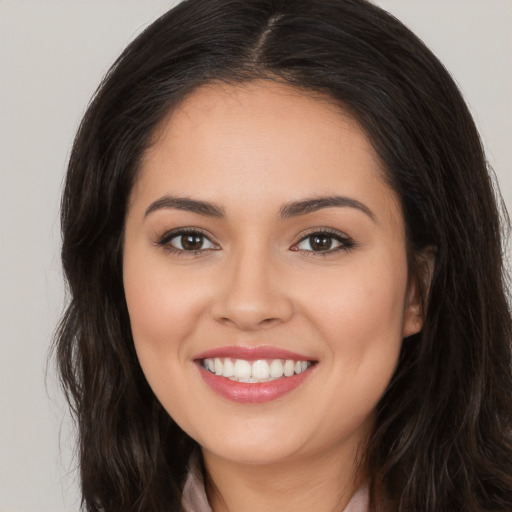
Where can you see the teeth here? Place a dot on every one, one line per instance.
(251, 380)
(289, 368)
(276, 368)
(254, 371)
(242, 369)
(218, 366)
(229, 369)
(260, 369)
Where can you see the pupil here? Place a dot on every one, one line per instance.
(191, 242)
(321, 242)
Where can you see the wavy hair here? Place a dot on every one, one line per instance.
(442, 440)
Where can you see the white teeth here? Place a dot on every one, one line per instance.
(242, 369)
(229, 369)
(289, 368)
(254, 371)
(251, 380)
(276, 368)
(260, 369)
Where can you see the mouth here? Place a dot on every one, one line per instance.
(253, 374)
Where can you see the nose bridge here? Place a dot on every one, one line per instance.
(253, 292)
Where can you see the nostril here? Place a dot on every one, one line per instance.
(249, 324)
(269, 321)
(250, 312)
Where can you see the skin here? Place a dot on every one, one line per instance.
(251, 149)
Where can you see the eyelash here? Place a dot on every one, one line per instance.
(346, 243)
(170, 235)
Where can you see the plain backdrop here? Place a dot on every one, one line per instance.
(53, 54)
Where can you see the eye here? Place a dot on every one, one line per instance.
(324, 242)
(186, 240)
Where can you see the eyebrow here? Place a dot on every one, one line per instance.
(184, 203)
(296, 208)
(287, 211)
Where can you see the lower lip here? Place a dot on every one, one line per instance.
(257, 393)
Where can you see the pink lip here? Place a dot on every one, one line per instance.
(243, 392)
(252, 353)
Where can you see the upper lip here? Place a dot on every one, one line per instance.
(252, 353)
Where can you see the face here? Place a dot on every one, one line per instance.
(262, 243)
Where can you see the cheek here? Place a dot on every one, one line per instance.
(360, 316)
(160, 300)
(164, 307)
(360, 322)
(360, 303)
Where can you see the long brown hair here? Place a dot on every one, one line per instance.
(443, 437)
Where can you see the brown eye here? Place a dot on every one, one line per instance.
(186, 241)
(318, 242)
(321, 242)
(191, 242)
(324, 242)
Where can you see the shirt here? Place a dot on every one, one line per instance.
(194, 494)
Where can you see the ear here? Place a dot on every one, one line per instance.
(417, 292)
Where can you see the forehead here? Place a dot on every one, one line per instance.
(259, 142)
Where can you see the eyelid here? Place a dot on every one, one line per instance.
(164, 240)
(345, 241)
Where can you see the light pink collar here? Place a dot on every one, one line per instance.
(194, 495)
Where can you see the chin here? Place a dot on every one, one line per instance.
(252, 454)
(261, 446)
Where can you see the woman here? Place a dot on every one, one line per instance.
(284, 260)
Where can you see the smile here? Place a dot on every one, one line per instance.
(254, 372)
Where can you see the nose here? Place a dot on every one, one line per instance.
(252, 294)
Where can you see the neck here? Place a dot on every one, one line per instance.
(324, 483)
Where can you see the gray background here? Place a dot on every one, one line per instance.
(52, 56)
